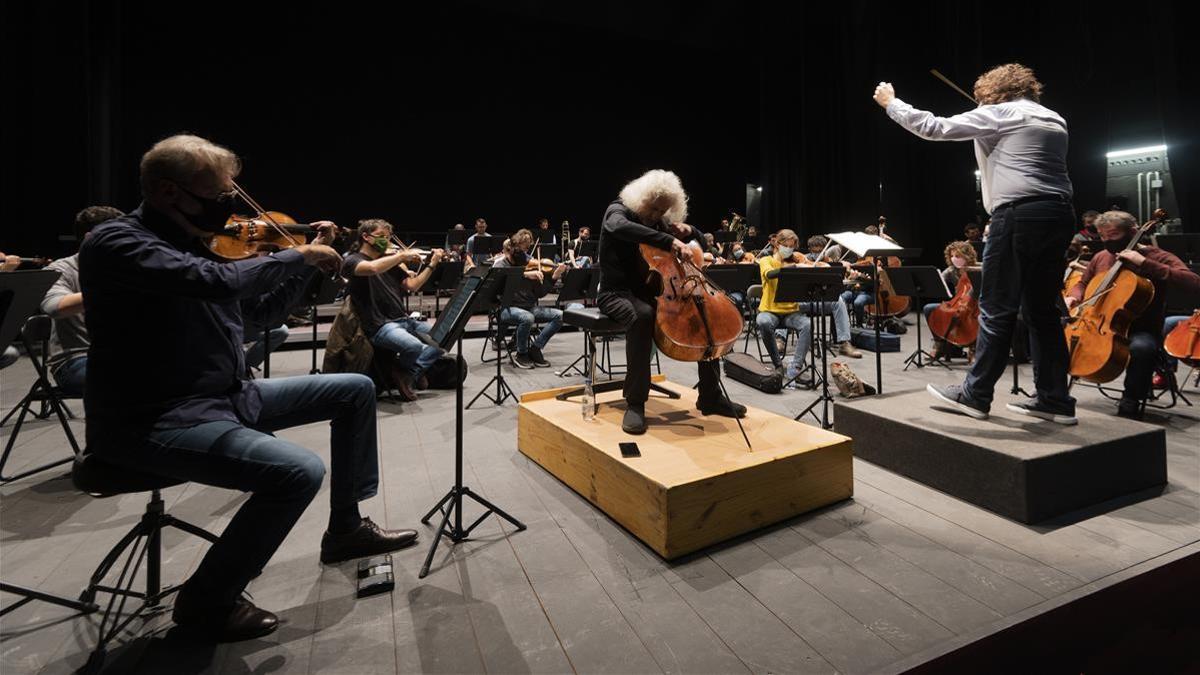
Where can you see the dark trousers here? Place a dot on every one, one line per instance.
(1143, 356)
(281, 477)
(636, 315)
(1023, 266)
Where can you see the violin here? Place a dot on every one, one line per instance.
(543, 265)
(262, 234)
(695, 320)
(1098, 330)
(1183, 342)
(957, 320)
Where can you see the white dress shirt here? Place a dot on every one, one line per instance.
(1021, 146)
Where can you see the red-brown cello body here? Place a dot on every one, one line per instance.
(695, 320)
(957, 320)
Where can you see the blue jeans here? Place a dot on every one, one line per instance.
(1022, 272)
(71, 374)
(281, 476)
(524, 318)
(767, 322)
(400, 336)
(860, 301)
(255, 352)
(841, 317)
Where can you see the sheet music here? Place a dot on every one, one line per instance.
(859, 243)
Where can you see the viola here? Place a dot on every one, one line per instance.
(1098, 330)
(695, 319)
(957, 320)
(249, 236)
(1183, 342)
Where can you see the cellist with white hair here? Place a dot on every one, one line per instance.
(651, 210)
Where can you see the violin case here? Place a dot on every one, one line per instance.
(750, 371)
(864, 338)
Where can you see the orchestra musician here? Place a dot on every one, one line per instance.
(574, 251)
(480, 231)
(959, 256)
(1165, 270)
(524, 310)
(972, 232)
(196, 417)
(377, 291)
(772, 315)
(63, 303)
(1021, 149)
(650, 210)
(547, 240)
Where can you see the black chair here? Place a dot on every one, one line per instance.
(142, 545)
(594, 323)
(44, 393)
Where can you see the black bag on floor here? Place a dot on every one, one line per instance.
(441, 374)
(750, 371)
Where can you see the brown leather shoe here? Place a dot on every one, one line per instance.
(368, 539)
(228, 623)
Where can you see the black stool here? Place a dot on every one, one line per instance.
(593, 322)
(143, 543)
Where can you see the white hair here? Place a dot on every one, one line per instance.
(655, 192)
(182, 157)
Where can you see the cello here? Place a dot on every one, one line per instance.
(1183, 342)
(957, 320)
(696, 320)
(888, 303)
(1097, 331)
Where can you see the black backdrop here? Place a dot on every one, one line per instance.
(435, 115)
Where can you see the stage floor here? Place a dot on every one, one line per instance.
(896, 575)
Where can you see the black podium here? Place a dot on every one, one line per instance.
(816, 286)
(921, 283)
(448, 330)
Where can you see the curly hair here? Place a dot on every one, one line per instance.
(963, 248)
(656, 193)
(1008, 82)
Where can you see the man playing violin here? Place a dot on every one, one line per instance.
(1021, 149)
(1165, 270)
(198, 418)
(378, 284)
(650, 210)
(524, 310)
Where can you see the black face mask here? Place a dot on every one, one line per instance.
(520, 257)
(1115, 246)
(214, 213)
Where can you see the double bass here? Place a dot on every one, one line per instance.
(1098, 330)
(957, 320)
(696, 320)
(887, 302)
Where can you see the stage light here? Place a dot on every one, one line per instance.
(977, 174)
(1136, 151)
(759, 188)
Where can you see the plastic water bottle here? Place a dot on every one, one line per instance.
(589, 401)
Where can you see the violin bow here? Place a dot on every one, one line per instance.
(263, 214)
(955, 87)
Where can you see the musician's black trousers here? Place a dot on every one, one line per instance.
(1023, 263)
(637, 316)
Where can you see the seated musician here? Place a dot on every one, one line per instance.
(972, 232)
(575, 250)
(1170, 363)
(197, 418)
(959, 256)
(64, 303)
(9, 263)
(524, 310)
(1165, 270)
(773, 315)
(547, 241)
(651, 210)
(480, 232)
(377, 288)
(1087, 239)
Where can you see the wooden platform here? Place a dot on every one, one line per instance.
(696, 483)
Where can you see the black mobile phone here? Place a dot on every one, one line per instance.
(630, 450)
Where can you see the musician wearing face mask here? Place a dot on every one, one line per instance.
(377, 289)
(650, 210)
(959, 256)
(196, 417)
(525, 310)
(1165, 270)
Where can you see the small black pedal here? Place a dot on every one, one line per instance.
(375, 576)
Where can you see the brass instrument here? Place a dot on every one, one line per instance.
(565, 243)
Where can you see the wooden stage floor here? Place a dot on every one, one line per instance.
(887, 579)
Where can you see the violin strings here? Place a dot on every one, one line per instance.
(263, 214)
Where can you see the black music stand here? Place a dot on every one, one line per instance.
(457, 238)
(486, 246)
(21, 296)
(880, 256)
(920, 282)
(816, 286)
(448, 330)
(500, 284)
(578, 284)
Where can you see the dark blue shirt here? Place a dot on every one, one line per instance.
(165, 320)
